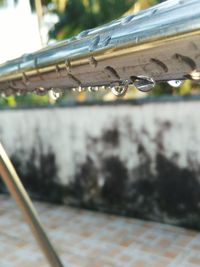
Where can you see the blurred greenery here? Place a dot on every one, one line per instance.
(77, 15)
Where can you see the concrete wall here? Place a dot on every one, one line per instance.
(139, 160)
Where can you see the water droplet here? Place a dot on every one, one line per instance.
(106, 41)
(195, 75)
(127, 19)
(175, 83)
(94, 43)
(143, 83)
(55, 93)
(80, 89)
(58, 90)
(120, 89)
(93, 88)
(40, 91)
(83, 33)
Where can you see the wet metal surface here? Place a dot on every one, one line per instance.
(161, 43)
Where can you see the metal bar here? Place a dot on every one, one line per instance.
(162, 42)
(20, 195)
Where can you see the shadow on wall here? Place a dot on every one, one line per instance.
(38, 174)
(166, 193)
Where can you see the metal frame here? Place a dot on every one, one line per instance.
(24, 202)
(161, 42)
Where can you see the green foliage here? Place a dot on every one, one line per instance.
(84, 14)
(32, 99)
(7, 101)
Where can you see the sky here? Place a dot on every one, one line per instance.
(19, 33)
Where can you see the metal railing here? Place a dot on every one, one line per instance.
(158, 44)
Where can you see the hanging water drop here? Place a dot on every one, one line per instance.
(175, 83)
(39, 91)
(120, 90)
(80, 89)
(93, 88)
(143, 83)
(56, 93)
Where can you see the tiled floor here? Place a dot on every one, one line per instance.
(88, 239)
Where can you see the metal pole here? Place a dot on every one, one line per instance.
(20, 195)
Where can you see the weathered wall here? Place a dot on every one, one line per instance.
(139, 160)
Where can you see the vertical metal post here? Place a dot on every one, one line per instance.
(20, 195)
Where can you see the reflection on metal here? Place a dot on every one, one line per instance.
(18, 192)
(162, 42)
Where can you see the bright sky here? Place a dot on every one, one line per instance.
(18, 30)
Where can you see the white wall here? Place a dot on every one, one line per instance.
(155, 145)
(67, 131)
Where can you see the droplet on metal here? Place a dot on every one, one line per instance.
(175, 83)
(121, 89)
(40, 91)
(93, 88)
(94, 43)
(58, 90)
(80, 89)
(83, 34)
(143, 83)
(195, 75)
(55, 93)
(127, 19)
(106, 41)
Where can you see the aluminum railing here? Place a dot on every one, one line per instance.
(158, 44)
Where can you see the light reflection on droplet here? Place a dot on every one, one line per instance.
(56, 93)
(121, 89)
(195, 75)
(144, 83)
(39, 91)
(80, 89)
(175, 83)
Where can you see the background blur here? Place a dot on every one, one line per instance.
(136, 156)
